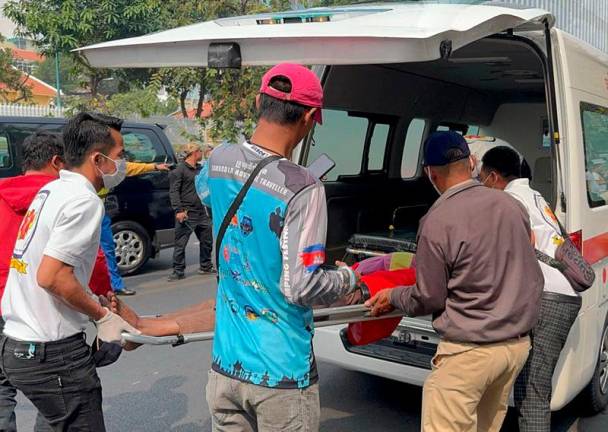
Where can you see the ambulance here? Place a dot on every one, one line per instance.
(394, 73)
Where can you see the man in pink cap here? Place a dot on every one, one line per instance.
(270, 253)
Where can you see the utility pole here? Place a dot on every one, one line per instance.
(57, 82)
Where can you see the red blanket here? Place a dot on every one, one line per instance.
(366, 332)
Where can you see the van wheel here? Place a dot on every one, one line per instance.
(595, 395)
(132, 246)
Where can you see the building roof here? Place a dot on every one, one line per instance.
(27, 55)
(38, 87)
(207, 111)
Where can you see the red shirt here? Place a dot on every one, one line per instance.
(16, 195)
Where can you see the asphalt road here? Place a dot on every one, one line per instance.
(159, 389)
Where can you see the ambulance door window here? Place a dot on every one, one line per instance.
(377, 147)
(595, 138)
(342, 138)
(411, 151)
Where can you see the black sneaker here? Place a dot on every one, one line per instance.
(175, 277)
(207, 271)
(125, 292)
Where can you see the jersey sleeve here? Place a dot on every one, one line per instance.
(304, 280)
(77, 226)
(201, 184)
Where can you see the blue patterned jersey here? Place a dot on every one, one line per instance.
(270, 267)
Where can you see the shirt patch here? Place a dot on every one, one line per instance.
(29, 224)
(18, 265)
(313, 256)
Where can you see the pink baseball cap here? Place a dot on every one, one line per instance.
(305, 87)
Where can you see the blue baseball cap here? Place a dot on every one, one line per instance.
(443, 148)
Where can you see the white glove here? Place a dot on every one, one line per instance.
(110, 327)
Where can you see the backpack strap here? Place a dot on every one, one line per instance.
(236, 204)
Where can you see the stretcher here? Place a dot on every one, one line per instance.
(323, 318)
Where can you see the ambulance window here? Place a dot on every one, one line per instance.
(142, 146)
(377, 147)
(595, 138)
(342, 137)
(6, 159)
(411, 150)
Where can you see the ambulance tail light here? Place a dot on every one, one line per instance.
(577, 239)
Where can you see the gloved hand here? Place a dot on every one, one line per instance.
(110, 327)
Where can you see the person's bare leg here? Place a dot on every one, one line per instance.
(203, 307)
(191, 319)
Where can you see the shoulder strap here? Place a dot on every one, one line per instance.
(236, 204)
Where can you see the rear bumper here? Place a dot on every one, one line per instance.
(328, 347)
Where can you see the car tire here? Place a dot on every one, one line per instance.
(595, 395)
(132, 246)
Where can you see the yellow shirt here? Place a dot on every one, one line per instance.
(133, 169)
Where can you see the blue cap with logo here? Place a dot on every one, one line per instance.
(443, 148)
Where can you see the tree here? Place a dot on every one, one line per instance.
(70, 79)
(62, 25)
(12, 81)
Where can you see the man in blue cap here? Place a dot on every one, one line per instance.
(477, 274)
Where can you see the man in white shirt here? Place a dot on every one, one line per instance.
(47, 303)
(560, 303)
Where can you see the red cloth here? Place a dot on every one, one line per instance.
(100, 278)
(16, 195)
(363, 333)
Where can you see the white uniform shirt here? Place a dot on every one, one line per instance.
(546, 231)
(63, 222)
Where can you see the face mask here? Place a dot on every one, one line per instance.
(112, 180)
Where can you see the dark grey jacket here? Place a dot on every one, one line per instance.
(476, 269)
(182, 192)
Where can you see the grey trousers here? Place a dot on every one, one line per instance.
(533, 385)
(236, 406)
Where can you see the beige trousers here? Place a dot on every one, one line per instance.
(468, 389)
(236, 406)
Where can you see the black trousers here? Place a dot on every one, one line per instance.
(8, 402)
(200, 225)
(533, 387)
(60, 379)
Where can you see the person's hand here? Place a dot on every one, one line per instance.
(162, 167)
(380, 304)
(111, 326)
(181, 216)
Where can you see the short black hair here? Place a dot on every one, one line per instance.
(39, 149)
(504, 160)
(278, 111)
(86, 132)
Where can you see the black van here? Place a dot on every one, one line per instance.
(143, 221)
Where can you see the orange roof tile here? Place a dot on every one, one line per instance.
(27, 55)
(38, 87)
(207, 111)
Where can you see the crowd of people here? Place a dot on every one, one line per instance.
(476, 268)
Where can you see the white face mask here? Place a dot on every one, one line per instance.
(112, 180)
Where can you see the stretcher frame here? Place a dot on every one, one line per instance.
(324, 317)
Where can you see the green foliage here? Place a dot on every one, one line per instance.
(70, 79)
(62, 25)
(142, 102)
(11, 79)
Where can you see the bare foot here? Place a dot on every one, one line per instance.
(121, 308)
